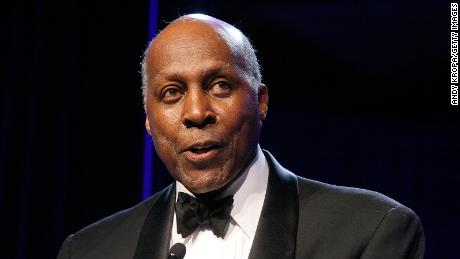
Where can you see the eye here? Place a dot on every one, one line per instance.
(171, 95)
(221, 89)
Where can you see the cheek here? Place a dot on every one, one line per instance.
(164, 123)
(164, 133)
(243, 114)
(242, 123)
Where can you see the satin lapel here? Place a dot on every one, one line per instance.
(154, 239)
(276, 233)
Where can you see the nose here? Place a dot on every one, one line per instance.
(197, 110)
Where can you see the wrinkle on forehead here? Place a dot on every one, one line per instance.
(196, 49)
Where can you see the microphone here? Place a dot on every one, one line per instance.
(177, 251)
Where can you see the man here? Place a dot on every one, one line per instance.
(205, 105)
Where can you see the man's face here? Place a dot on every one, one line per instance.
(203, 116)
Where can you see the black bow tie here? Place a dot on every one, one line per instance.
(192, 212)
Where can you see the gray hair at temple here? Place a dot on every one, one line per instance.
(239, 44)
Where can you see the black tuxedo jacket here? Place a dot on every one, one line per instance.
(300, 219)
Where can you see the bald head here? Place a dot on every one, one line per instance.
(211, 33)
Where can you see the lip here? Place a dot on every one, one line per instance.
(201, 157)
(204, 156)
(202, 144)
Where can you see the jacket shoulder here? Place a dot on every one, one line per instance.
(135, 213)
(120, 230)
(354, 218)
(346, 198)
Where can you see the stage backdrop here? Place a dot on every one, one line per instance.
(359, 96)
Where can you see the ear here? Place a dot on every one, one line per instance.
(263, 101)
(147, 124)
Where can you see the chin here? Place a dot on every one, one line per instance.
(200, 188)
(205, 181)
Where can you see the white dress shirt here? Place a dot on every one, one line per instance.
(249, 194)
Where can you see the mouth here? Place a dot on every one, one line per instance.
(202, 152)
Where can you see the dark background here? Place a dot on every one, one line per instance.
(359, 96)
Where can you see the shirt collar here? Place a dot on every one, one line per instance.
(248, 193)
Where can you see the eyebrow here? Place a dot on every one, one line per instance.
(206, 75)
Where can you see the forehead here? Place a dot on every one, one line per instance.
(188, 45)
